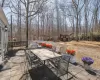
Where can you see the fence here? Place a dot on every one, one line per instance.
(16, 43)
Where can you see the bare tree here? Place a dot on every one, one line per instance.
(77, 8)
(31, 8)
(3, 1)
(96, 13)
(57, 13)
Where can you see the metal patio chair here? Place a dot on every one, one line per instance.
(32, 59)
(98, 75)
(61, 66)
(61, 69)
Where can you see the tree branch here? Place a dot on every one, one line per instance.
(75, 4)
(2, 3)
(24, 2)
(32, 2)
(15, 12)
(37, 9)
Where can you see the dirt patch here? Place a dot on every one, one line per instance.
(86, 43)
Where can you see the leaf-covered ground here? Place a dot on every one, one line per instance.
(85, 48)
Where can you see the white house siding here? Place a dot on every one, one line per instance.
(0, 36)
(3, 34)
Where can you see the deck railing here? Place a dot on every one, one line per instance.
(16, 43)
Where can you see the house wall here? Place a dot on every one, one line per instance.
(3, 35)
(0, 35)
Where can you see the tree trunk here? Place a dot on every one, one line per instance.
(38, 26)
(57, 12)
(27, 9)
(77, 28)
(86, 21)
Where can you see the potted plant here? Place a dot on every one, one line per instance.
(71, 52)
(87, 62)
(49, 46)
(43, 44)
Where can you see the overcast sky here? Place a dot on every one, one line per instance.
(50, 3)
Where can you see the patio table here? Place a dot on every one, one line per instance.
(45, 54)
(48, 55)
